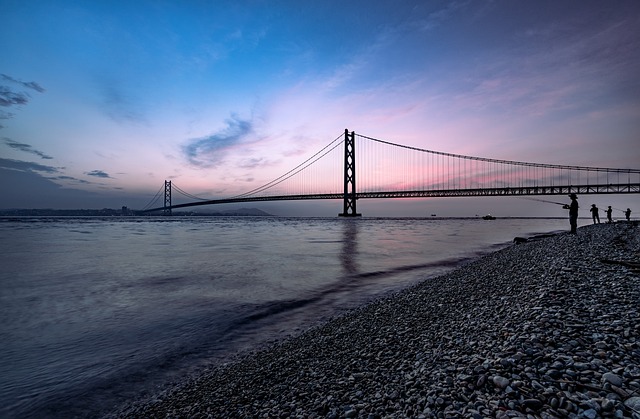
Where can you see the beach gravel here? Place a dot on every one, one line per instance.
(542, 329)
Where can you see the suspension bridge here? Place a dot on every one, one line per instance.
(389, 170)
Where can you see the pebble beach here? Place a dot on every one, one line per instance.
(548, 327)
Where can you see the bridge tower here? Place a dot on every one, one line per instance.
(349, 200)
(167, 198)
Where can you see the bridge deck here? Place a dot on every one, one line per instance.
(440, 193)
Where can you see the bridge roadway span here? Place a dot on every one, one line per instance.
(441, 193)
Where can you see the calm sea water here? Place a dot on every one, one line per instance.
(97, 311)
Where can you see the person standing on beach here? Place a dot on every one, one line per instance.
(594, 213)
(627, 214)
(609, 211)
(573, 212)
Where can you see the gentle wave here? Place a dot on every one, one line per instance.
(101, 311)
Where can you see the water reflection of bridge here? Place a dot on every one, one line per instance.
(389, 170)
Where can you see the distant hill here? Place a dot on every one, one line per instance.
(247, 211)
(241, 212)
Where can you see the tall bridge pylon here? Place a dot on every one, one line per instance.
(167, 198)
(349, 199)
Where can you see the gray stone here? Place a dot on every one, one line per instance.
(601, 345)
(612, 378)
(633, 403)
(607, 405)
(581, 366)
(500, 381)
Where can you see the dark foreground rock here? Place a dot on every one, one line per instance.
(543, 329)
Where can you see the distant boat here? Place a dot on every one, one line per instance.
(433, 215)
(488, 217)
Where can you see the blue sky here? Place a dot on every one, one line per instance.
(101, 101)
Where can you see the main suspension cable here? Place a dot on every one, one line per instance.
(511, 162)
(154, 199)
(293, 171)
(188, 195)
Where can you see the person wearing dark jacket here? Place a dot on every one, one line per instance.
(594, 214)
(573, 212)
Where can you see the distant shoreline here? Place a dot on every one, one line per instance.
(125, 212)
(243, 212)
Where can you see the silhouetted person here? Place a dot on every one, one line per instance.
(627, 214)
(594, 214)
(609, 211)
(573, 212)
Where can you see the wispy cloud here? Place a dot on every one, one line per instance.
(99, 173)
(209, 151)
(437, 17)
(25, 166)
(30, 84)
(41, 171)
(5, 115)
(119, 106)
(71, 178)
(255, 162)
(26, 148)
(556, 67)
(10, 97)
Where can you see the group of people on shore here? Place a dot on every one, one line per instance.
(573, 213)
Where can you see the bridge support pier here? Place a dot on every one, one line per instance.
(349, 200)
(167, 198)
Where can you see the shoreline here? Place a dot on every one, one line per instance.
(498, 336)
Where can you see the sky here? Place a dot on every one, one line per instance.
(102, 101)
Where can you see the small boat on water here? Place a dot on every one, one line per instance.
(488, 217)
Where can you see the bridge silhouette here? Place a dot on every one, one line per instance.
(389, 170)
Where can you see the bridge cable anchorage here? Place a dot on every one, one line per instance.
(293, 171)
